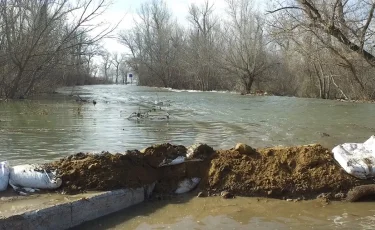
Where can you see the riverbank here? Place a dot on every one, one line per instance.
(298, 172)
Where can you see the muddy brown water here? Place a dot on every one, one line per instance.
(47, 128)
(240, 213)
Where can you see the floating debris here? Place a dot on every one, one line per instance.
(152, 114)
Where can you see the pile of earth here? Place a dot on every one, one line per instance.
(279, 172)
(299, 171)
(105, 171)
(84, 171)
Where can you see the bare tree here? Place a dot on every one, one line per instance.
(116, 62)
(350, 30)
(204, 46)
(40, 37)
(106, 56)
(151, 43)
(245, 50)
(124, 69)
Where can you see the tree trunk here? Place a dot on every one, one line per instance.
(248, 84)
(12, 92)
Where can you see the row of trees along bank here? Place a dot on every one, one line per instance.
(45, 44)
(307, 48)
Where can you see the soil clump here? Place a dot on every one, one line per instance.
(157, 154)
(279, 172)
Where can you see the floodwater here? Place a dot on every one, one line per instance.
(48, 128)
(215, 213)
(44, 129)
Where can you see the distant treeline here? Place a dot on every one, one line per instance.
(306, 48)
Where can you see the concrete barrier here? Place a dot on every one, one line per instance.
(70, 214)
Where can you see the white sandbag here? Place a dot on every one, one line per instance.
(32, 176)
(357, 159)
(187, 185)
(370, 144)
(176, 161)
(4, 175)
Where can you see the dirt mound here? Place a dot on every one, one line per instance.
(300, 171)
(279, 172)
(81, 172)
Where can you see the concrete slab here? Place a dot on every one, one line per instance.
(88, 209)
(62, 211)
(12, 204)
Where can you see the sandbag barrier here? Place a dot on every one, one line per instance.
(31, 178)
(27, 178)
(301, 172)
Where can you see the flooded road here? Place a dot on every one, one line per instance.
(44, 129)
(215, 213)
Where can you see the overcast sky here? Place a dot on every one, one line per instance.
(127, 10)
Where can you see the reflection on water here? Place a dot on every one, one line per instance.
(240, 213)
(43, 129)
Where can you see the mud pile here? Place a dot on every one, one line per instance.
(82, 172)
(300, 171)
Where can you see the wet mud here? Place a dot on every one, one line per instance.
(279, 172)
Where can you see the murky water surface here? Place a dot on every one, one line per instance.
(44, 129)
(241, 213)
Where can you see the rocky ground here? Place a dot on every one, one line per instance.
(278, 172)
